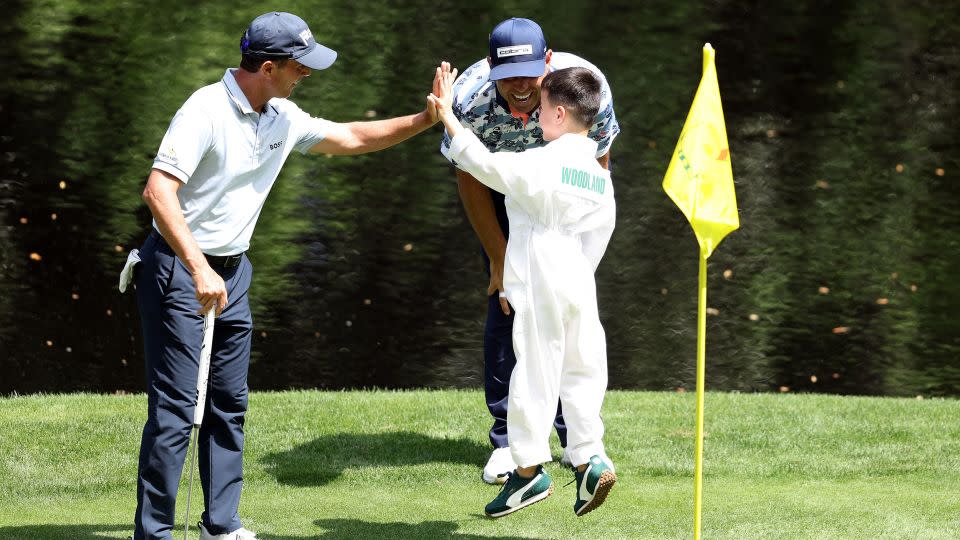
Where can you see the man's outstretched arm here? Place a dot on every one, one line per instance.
(362, 137)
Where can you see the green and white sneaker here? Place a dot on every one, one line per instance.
(593, 484)
(518, 492)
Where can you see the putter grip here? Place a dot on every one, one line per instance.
(203, 374)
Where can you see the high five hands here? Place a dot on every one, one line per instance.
(441, 99)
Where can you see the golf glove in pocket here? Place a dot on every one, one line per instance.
(126, 276)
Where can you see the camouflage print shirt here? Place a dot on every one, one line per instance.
(480, 109)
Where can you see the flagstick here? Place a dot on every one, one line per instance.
(701, 375)
(699, 180)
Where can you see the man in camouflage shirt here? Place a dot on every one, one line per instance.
(498, 99)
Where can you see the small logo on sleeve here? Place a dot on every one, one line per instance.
(168, 154)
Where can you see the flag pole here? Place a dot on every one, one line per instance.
(699, 180)
(701, 376)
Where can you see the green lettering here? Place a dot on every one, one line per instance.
(598, 184)
(583, 180)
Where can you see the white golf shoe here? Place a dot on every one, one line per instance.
(606, 459)
(566, 462)
(499, 466)
(239, 534)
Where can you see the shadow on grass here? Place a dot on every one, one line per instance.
(352, 528)
(322, 460)
(334, 528)
(73, 532)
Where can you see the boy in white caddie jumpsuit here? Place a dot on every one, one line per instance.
(561, 208)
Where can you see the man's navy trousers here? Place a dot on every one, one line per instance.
(172, 336)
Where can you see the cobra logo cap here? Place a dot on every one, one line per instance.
(517, 49)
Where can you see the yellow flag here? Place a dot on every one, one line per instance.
(699, 178)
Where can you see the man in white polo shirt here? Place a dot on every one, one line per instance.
(218, 160)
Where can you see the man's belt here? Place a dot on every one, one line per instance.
(223, 261)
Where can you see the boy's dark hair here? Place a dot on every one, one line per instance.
(577, 89)
(251, 63)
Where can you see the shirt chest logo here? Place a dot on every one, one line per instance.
(278, 144)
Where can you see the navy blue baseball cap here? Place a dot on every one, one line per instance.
(517, 49)
(279, 35)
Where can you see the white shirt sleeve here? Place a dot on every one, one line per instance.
(510, 173)
(445, 141)
(309, 129)
(188, 138)
(605, 129)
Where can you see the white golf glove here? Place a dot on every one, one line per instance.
(126, 276)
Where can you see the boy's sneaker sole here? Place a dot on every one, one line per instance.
(607, 479)
(536, 498)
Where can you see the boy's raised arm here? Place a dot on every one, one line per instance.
(502, 171)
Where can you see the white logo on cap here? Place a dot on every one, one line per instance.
(306, 35)
(514, 50)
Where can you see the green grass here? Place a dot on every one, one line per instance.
(370, 465)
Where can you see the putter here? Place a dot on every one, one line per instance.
(203, 375)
